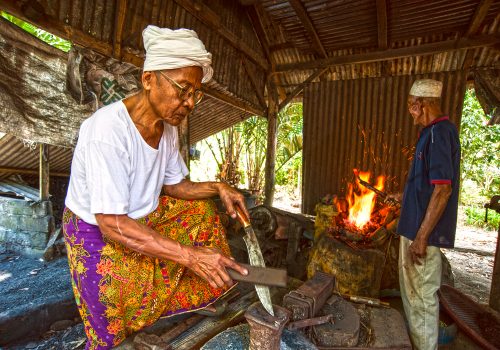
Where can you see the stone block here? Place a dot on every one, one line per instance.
(13, 206)
(27, 223)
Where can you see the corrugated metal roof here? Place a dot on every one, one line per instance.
(19, 154)
(27, 192)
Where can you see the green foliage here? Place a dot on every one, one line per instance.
(250, 138)
(480, 153)
(41, 34)
(254, 132)
(475, 217)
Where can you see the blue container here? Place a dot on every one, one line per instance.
(447, 334)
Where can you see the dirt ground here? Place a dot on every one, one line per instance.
(471, 260)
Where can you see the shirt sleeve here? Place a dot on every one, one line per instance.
(176, 169)
(107, 171)
(440, 154)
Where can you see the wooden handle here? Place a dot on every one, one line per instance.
(242, 217)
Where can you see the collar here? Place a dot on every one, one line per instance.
(437, 120)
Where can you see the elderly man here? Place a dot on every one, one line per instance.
(134, 255)
(429, 212)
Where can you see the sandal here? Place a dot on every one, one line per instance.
(220, 308)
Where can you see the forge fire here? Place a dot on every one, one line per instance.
(364, 209)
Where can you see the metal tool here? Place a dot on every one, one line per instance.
(382, 195)
(261, 275)
(256, 259)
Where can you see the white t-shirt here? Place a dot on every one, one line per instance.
(114, 171)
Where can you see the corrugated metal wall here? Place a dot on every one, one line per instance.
(364, 124)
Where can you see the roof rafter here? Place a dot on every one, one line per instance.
(478, 17)
(382, 24)
(306, 21)
(425, 49)
(206, 15)
(474, 25)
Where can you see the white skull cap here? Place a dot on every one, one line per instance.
(426, 88)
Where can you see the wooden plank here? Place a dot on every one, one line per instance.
(272, 131)
(382, 23)
(306, 21)
(207, 328)
(421, 50)
(44, 172)
(121, 11)
(54, 26)
(212, 20)
(301, 87)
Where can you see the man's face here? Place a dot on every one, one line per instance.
(165, 97)
(415, 107)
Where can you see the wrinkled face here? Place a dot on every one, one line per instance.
(164, 94)
(415, 107)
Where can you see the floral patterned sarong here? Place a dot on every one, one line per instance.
(119, 291)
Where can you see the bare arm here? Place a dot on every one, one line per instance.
(435, 209)
(187, 189)
(208, 263)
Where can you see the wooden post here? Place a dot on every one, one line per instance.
(272, 126)
(183, 130)
(44, 172)
(495, 279)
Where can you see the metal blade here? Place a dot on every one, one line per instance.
(256, 259)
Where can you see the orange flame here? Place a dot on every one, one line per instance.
(361, 205)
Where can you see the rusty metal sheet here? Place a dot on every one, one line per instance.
(364, 124)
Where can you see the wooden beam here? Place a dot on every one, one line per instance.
(54, 26)
(495, 278)
(301, 12)
(301, 87)
(382, 24)
(253, 80)
(253, 16)
(44, 182)
(272, 139)
(244, 106)
(30, 171)
(212, 20)
(121, 12)
(421, 50)
(478, 17)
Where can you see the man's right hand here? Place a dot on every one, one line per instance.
(210, 264)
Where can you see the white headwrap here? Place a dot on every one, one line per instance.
(426, 88)
(171, 49)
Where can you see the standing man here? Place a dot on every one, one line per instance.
(429, 212)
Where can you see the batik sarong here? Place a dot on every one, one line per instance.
(119, 291)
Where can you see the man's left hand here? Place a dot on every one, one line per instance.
(231, 197)
(418, 251)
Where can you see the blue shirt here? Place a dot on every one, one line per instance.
(436, 161)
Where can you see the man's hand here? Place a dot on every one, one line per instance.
(210, 264)
(418, 251)
(231, 197)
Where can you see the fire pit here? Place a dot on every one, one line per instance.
(355, 239)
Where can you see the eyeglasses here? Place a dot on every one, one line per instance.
(185, 92)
